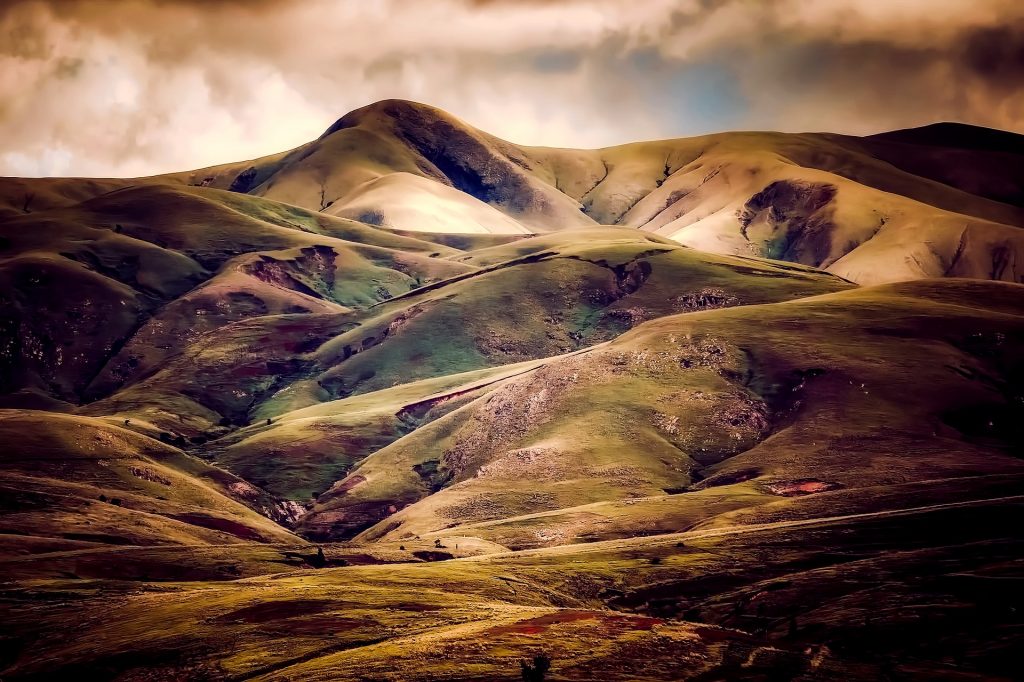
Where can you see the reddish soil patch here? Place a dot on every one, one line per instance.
(347, 484)
(716, 636)
(532, 626)
(802, 486)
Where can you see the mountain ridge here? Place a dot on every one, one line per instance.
(840, 203)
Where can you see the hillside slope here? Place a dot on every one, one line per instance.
(73, 482)
(912, 382)
(877, 209)
(862, 525)
(939, 201)
(122, 278)
(526, 301)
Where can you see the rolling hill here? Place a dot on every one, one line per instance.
(413, 402)
(938, 201)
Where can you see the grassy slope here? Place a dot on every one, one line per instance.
(133, 256)
(302, 452)
(874, 210)
(557, 297)
(80, 479)
(819, 200)
(405, 201)
(981, 161)
(906, 381)
(397, 136)
(908, 205)
(531, 299)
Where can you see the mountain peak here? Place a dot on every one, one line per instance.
(393, 109)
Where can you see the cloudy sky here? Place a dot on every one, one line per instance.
(133, 87)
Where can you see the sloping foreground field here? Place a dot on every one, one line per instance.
(927, 592)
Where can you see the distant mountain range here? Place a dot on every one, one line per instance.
(943, 200)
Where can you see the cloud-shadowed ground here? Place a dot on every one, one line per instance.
(145, 86)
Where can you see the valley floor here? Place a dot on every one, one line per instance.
(919, 591)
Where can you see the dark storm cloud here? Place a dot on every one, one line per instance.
(996, 54)
(140, 86)
(871, 82)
